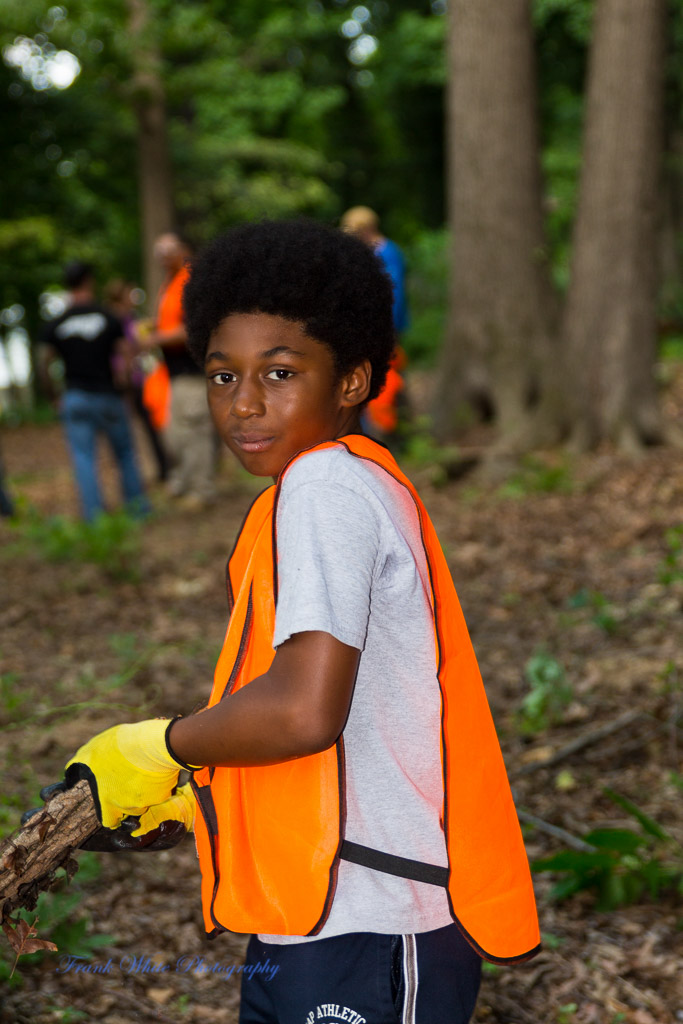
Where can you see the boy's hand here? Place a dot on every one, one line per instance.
(179, 808)
(159, 828)
(129, 768)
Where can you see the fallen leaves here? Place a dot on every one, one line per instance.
(23, 938)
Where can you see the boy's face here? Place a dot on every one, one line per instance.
(273, 390)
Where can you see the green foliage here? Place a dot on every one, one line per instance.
(270, 111)
(623, 863)
(36, 413)
(427, 286)
(68, 1015)
(548, 696)
(561, 163)
(576, 17)
(562, 39)
(565, 1014)
(12, 696)
(418, 448)
(671, 569)
(603, 612)
(61, 919)
(671, 348)
(538, 475)
(111, 541)
(11, 808)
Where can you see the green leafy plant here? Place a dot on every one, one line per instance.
(671, 569)
(548, 696)
(622, 864)
(68, 1015)
(111, 541)
(603, 612)
(419, 448)
(13, 697)
(427, 259)
(538, 476)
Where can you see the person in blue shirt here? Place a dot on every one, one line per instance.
(363, 222)
(384, 414)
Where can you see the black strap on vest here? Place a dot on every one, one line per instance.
(417, 870)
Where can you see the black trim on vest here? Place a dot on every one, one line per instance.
(403, 867)
(334, 867)
(207, 809)
(242, 649)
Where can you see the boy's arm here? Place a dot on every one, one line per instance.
(298, 707)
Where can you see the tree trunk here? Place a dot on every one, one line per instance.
(32, 854)
(500, 295)
(610, 322)
(154, 163)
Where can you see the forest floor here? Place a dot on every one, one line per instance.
(572, 570)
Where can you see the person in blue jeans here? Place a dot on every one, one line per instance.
(6, 503)
(86, 337)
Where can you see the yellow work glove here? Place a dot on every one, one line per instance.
(181, 807)
(129, 767)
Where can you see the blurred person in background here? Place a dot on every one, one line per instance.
(383, 415)
(190, 438)
(119, 298)
(87, 338)
(6, 504)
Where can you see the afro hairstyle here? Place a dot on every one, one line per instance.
(330, 282)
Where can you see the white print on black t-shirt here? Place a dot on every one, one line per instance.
(329, 1013)
(82, 325)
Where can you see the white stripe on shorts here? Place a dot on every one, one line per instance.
(409, 979)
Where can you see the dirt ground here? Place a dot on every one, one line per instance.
(574, 559)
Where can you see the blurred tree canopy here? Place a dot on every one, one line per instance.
(271, 109)
(276, 107)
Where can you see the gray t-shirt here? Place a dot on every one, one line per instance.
(351, 563)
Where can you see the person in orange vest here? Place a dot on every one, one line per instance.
(189, 434)
(349, 798)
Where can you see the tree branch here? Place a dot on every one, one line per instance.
(31, 855)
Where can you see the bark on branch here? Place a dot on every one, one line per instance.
(32, 854)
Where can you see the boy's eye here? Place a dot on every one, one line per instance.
(223, 377)
(280, 374)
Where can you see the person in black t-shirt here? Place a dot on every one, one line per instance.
(85, 337)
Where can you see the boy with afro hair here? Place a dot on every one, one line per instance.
(350, 803)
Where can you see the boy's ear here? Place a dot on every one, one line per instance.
(356, 384)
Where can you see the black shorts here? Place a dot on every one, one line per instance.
(362, 978)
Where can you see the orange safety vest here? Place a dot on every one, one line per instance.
(170, 302)
(382, 412)
(270, 838)
(156, 389)
(156, 396)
